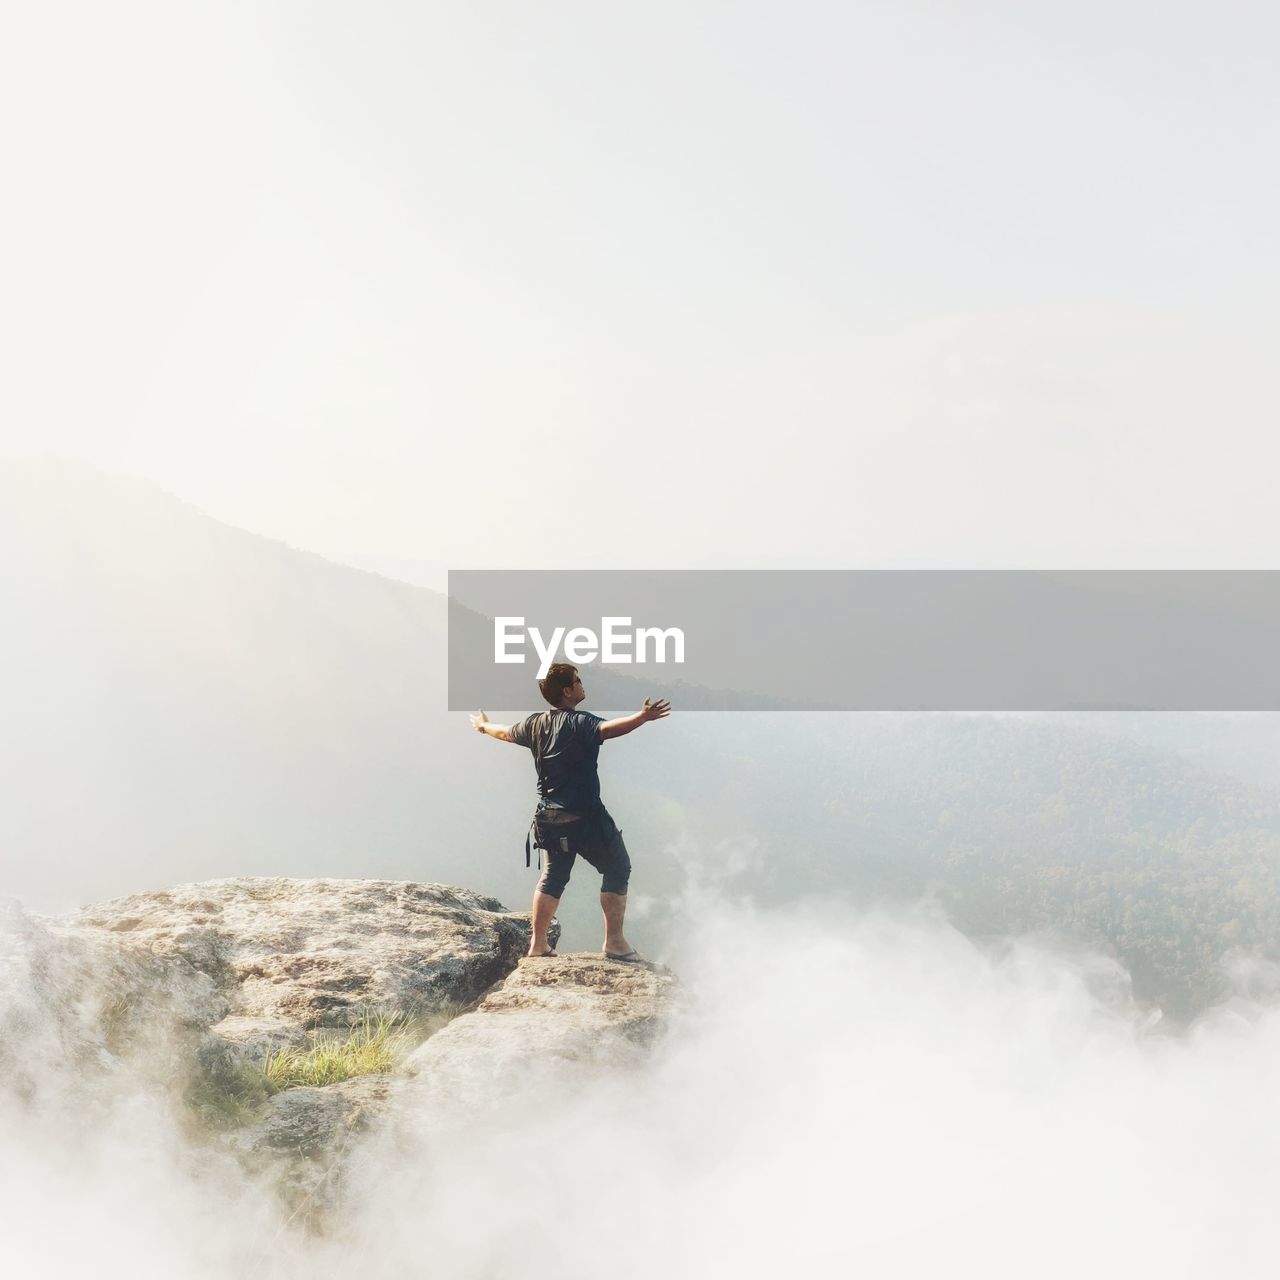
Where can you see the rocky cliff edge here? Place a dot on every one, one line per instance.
(205, 984)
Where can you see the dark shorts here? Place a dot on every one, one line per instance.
(596, 839)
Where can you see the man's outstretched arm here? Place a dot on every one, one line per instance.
(480, 723)
(650, 711)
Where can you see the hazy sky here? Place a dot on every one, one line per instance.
(805, 283)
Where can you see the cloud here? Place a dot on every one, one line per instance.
(839, 1089)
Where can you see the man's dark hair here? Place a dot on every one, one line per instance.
(559, 678)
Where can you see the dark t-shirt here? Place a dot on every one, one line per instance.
(565, 746)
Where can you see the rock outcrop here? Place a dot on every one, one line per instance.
(576, 1011)
(301, 954)
(198, 985)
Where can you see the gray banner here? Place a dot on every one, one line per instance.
(850, 640)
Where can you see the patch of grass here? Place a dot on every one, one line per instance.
(116, 1015)
(230, 1100)
(374, 1045)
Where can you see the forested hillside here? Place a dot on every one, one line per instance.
(1013, 823)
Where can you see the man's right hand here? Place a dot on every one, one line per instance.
(478, 721)
(655, 710)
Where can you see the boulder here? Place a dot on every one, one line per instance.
(576, 1012)
(312, 1121)
(302, 1144)
(322, 953)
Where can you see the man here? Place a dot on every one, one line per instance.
(570, 820)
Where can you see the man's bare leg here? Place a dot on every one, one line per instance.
(614, 906)
(544, 907)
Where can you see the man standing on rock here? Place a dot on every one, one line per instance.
(570, 820)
